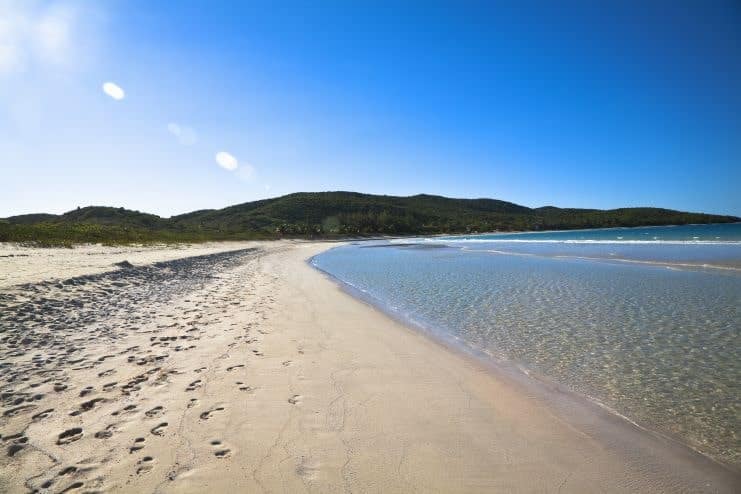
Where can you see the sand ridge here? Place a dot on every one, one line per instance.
(19, 264)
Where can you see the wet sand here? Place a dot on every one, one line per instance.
(239, 368)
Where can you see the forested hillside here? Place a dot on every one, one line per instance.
(327, 214)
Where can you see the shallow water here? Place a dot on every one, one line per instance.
(653, 332)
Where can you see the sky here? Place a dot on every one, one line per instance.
(169, 107)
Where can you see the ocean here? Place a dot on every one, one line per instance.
(645, 321)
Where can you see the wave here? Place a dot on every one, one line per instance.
(667, 264)
(601, 241)
(584, 241)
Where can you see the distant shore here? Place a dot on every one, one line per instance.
(237, 367)
(327, 215)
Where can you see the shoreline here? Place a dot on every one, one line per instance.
(552, 393)
(251, 370)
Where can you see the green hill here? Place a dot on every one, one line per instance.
(102, 215)
(328, 214)
(354, 213)
(29, 219)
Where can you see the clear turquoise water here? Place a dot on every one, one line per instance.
(652, 329)
(728, 232)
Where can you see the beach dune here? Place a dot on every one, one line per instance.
(237, 367)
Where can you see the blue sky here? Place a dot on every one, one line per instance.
(574, 104)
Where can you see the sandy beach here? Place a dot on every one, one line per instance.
(237, 367)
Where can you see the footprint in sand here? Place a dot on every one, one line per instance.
(159, 430)
(286, 363)
(244, 387)
(220, 452)
(194, 385)
(229, 369)
(207, 414)
(109, 386)
(70, 435)
(67, 471)
(145, 465)
(125, 410)
(87, 406)
(133, 385)
(18, 410)
(62, 473)
(294, 400)
(72, 487)
(138, 444)
(223, 453)
(42, 415)
(155, 412)
(106, 433)
(18, 444)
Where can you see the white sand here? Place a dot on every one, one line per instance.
(252, 372)
(26, 265)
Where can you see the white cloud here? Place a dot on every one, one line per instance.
(113, 90)
(246, 171)
(36, 34)
(226, 161)
(52, 34)
(185, 135)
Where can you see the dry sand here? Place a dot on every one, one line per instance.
(239, 368)
(23, 265)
